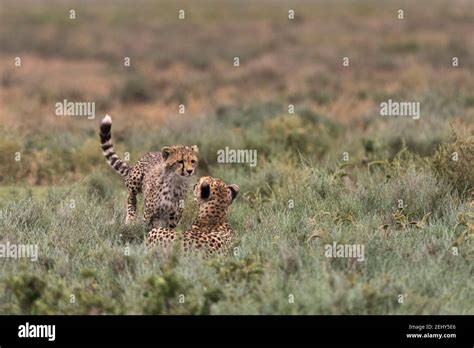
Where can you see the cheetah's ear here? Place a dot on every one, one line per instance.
(205, 190)
(195, 148)
(166, 152)
(234, 190)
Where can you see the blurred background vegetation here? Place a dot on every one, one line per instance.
(190, 62)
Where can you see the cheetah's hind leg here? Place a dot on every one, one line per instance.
(131, 206)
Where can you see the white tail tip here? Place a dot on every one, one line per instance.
(107, 119)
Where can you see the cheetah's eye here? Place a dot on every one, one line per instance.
(181, 162)
(193, 161)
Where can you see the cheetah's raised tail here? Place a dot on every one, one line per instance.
(108, 149)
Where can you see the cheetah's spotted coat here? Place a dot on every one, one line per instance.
(210, 231)
(162, 177)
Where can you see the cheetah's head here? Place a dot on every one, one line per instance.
(215, 193)
(181, 159)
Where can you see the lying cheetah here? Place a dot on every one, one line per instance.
(210, 231)
(162, 177)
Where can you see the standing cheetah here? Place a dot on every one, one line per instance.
(162, 177)
(210, 231)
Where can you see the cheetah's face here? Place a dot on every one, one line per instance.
(181, 159)
(215, 192)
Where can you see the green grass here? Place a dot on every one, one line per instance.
(86, 251)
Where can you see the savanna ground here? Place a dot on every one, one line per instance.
(302, 195)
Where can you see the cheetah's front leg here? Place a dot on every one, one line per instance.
(151, 215)
(173, 219)
(175, 216)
